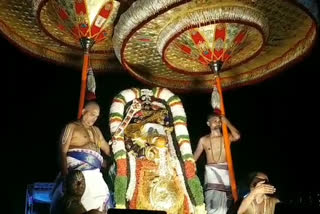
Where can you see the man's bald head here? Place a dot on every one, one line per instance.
(90, 113)
(91, 105)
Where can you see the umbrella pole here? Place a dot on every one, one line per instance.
(216, 66)
(84, 76)
(86, 44)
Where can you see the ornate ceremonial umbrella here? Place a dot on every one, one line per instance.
(62, 31)
(201, 44)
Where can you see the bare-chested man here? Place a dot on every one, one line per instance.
(260, 199)
(81, 143)
(218, 196)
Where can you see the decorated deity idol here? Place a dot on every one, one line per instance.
(155, 169)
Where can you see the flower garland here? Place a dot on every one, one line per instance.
(163, 168)
(182, 136)
(140, 167)
(179, 170)
(118, 148)
(133, 180)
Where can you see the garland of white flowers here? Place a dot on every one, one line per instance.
(173, 154)
(182, 136)
(133, 177)
(163, 167)
(179, 117)
(118, 147)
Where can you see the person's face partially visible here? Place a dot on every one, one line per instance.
(214, 122)
(90, 115)
(260, 177)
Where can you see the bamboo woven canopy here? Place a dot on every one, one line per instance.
(172, 42)
(153, 41)
(51, 29)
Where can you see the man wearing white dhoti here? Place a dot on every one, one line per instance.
(217, 186)
(218, 195)
(80, 151)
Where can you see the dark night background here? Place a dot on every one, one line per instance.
(278, 120)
